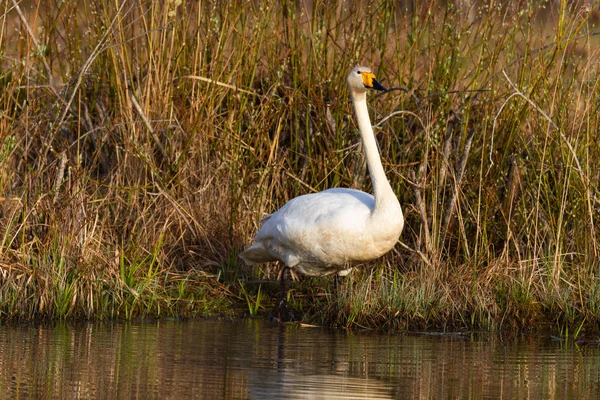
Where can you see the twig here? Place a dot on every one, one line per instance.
(406, 90)
(225, 85)
(494, 129)
(142, 114)
(60, 174)
(563, 137)
(417, 188)
(458, 180)
(34, 40)
(88, 63)
(420, 253)
(398, 113)
(458, 92)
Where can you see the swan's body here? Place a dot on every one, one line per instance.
(331, 231)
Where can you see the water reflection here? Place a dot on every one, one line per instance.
(254, 359)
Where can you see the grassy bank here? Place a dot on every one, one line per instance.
(141, 143)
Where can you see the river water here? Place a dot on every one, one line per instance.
(252, 359)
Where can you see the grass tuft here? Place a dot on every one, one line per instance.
(140, 143)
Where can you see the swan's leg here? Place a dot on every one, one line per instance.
(338, 280)
(282, 295)
(281, 311)
(341, 278)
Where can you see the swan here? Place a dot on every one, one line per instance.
(329, 232)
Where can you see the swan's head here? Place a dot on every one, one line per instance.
(360, 79)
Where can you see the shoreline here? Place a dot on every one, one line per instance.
(141, 145)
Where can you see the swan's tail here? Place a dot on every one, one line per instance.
(256, 254)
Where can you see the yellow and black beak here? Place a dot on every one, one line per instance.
(370, 82)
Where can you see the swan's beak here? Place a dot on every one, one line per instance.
(370, 82)
(378, 86)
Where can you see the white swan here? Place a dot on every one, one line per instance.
(330, 231)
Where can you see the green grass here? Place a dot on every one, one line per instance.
(141, 143)
(253, 302)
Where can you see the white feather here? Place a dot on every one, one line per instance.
(331, 231)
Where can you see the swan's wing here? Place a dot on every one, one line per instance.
(344, 210)
(325, 228)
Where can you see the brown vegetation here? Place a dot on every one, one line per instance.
(141, 143)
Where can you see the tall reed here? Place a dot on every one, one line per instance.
(141, 141)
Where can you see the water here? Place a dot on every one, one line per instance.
(259, 360)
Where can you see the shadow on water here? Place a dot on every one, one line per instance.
(259, 360)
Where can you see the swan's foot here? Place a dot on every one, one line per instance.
(282, 313)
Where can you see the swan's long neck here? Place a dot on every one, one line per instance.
(381, 186)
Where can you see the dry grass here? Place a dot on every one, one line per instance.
(141, 143)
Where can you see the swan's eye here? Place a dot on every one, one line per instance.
(358, 72)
